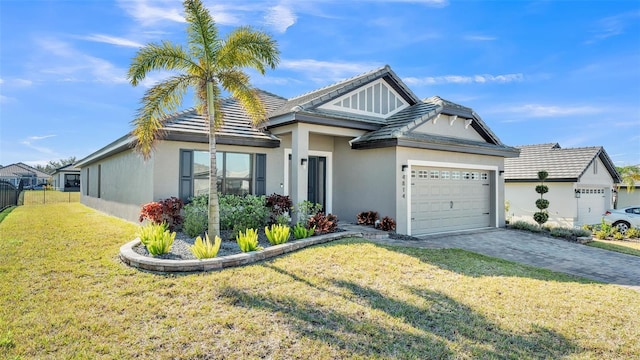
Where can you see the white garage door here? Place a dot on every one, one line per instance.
(444, 199)
(591, 206)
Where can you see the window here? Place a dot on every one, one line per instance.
(234, 172)
(423, 174)
(87, 184)
(455, 175)
(444, 175)
(475, 176)
(484, 176)
(413, 173)
(72, 180)
(466, 176)
(434, 174)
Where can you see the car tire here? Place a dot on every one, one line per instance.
(622, 226)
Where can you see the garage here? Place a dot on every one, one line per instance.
(449, 199)
(591, 205)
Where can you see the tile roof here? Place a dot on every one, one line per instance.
(401, 124)
(21, 169)
(68, 167)
(569, 163)
(236, 121)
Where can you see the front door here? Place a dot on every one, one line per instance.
(317, 180)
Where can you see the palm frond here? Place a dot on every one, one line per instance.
(245, 47)
(237, 83)
(163, 56)
(202, 32)
(158, 101)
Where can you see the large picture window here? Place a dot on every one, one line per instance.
(235, 173)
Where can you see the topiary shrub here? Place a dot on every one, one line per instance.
(542, 204)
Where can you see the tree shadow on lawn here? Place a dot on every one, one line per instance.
(472, 264)
(369, 324)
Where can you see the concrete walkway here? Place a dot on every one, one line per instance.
(540, 251)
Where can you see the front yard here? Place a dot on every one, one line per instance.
(65, 294)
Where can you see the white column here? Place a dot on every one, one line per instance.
(299, 172)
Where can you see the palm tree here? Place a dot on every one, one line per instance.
(630, 175)
(209, 65)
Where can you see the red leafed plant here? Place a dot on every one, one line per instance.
(387, 224)
(163, 211)
(323, 223)
(367, 218)
(279, 205)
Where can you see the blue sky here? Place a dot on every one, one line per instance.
(536, 72)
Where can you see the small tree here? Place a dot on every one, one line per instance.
(542, 204)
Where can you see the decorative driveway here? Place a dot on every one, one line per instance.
(540, 251)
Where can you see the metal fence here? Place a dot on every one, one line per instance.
(37, 197)
(8, 195)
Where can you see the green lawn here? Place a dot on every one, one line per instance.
(64, 294)
(625, 247)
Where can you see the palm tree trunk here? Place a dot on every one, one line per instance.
(214, 213)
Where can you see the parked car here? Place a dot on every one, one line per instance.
(35, 187)
(624, 218)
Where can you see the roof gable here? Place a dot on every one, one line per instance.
(377, 99)
(313, 101)
(562, 164)
(20, 170)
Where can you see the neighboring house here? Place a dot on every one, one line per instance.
(627, 198)
(365, 143)
(581, 183)
(29, 176)
(66, 178)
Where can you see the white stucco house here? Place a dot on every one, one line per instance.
(365, 143)
(66, 178)
(582, 183)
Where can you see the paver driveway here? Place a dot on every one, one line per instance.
(541, 251)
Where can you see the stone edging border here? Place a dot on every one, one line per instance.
(133, 259)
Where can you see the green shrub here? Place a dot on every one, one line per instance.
(601, 234)
(196, 219)
(202, 199)
(541, 217)
(562, 232)
(301, 232)
(307, 209)
(618, 235)
(587, 227)
(581, 232)
(542, 189)
(277, 234)
(542, 204)
(156, 238)
(633, 233)
(248, 240)
(607, 228)
(206, 249)
(283, 219)
(242, 212)
(523, 225)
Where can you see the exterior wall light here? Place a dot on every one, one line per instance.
(577, 193)
(303, 162)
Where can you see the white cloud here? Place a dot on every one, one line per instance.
(321, 71)
(29, 142)
(147, 12)
(6, 99)
(113, 40)
(614, 25)
(65, 63)
(538, 110)
(280, 18)
(35, 138)
(462, 79)
(479, 38)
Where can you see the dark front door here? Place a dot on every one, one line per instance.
(316, 192)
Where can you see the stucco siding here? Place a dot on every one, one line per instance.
(626, 199)
(601, 177)
(562, 202)
(444, 127)
(364, 180)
